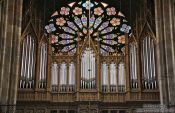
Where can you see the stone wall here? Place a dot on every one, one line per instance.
(165, 50)
(11, 17)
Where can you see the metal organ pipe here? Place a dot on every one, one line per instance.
(91, 71)
(23, 56)
(153, 62)
(45, 62)
(81, 71)
(26, 57)
(26, 61)
(131, 63)
(30, 60)
(33, 60)
(150, 60)
(41, 61)
(135, 63)
(144, 62)
(87, 70)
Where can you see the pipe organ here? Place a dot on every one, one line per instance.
(88, 69)
(54, 77)
(133, 65)
(148, 63)
(98, 79)
(87, 63)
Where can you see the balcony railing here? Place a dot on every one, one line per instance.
(112, 88)
(63, 88)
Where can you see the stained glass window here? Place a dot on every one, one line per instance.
(97, 20)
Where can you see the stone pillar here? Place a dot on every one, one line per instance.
(165, 50)
(10, 53)
(1, 32)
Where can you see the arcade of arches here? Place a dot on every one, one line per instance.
(82, 56)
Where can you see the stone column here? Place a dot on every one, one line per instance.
(10, 53)
(165, 47)
(1, 39)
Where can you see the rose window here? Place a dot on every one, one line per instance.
(97, 20)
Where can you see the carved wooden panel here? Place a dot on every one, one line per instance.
(40, 96)
(26, 95)
(64, 97)
(85, 96)
(134, 96)
(114, 97)
(150, 96)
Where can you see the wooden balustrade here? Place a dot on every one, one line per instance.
(71, 96)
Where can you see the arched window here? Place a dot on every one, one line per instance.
(71, 76)
(28, 62)
(97, 21)
(101, 22)
(133, 65)
(88, 66)
(43, 65)
(105, 77)
(121, 77)
(54, 78)
(63, 76)
(148, 63)
(113, 77)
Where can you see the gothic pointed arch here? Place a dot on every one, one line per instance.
(148, 61)
(101, 22)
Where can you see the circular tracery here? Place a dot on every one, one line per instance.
(100, 21)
